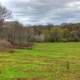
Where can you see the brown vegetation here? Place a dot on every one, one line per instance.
(31, 79)
(27, 45)
(5, 45)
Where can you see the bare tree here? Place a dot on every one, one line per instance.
(4, 14)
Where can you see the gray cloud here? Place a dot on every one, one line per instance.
(44, 11)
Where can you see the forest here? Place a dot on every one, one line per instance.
(16, 32)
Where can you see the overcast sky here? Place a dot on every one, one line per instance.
(44, 11)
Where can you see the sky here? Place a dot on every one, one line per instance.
(34, 12)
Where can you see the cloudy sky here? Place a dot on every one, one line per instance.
(44, 11)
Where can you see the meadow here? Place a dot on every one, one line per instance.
(46, 61)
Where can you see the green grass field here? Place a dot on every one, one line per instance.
(46, 61)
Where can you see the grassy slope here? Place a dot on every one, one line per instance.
(47, 61)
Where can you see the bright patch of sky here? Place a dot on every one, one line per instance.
(44, 11)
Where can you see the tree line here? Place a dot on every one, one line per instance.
(15, 32)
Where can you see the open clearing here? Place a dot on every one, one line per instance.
(46, 61)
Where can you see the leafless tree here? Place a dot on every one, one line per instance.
(4, 14)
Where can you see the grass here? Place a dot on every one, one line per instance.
(46, 61)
